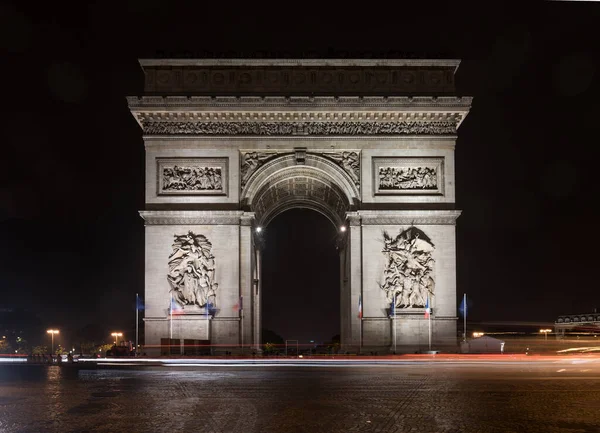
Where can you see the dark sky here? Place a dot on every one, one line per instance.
(71, 239)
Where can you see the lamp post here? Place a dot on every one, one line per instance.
(117, 335)
(545, 332)
(52, 332)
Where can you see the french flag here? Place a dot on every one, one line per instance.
(427, 309)
(239, 306)
(175, 308)
(360, 307)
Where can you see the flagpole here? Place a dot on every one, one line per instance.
(360, 322)
(465, 317)
(171, 323)
(242, 320)
(137, 308)
(395, 330)
(429, 319)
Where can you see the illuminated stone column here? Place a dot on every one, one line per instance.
(342, 247)
(354, 276)
(246, 278)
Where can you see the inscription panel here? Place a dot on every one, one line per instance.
(192, 176)
(413, 176)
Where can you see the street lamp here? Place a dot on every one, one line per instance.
(116, 335)
(52, 332)
(545, 332)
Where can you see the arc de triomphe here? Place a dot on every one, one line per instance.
(230, 144)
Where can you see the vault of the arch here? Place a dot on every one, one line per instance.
(303, 187)
(287, 166)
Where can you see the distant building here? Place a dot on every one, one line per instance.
(575, 323)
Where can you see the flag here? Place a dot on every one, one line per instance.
(463, 306)
(360, 307)
(393, 307)
(239, 306)
(139, 304)
(175, 307)
(427, 308)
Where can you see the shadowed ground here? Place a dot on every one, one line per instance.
(561, 396)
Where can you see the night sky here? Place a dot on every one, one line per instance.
(71, 239)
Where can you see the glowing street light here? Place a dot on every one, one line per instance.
(258, 229)
(117, 335)
(545, 332)
(477, 334)
(343, 229)
(52, 332)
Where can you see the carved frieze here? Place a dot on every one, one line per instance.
(191, 273)
(192, 176)
(408, 274)
(299, 128)
(394, 176)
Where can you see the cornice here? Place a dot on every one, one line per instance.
(200, 103)
(408, 217)
(156, 141)
(191, 217)
(297, 116)
(258, 116)
(299, 62)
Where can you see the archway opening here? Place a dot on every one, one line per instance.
(300, 279)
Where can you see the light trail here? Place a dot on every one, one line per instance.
(304, 362)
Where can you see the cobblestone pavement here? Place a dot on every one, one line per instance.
(521, 397)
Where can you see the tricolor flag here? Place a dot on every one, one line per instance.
(239, 306)
(175, 308)
(393, 306)
(360, 307)
(427, 308)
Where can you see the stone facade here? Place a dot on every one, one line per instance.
(227, 156)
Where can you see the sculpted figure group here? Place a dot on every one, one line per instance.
(399, 178)
(180, 178)
(407, 276)
(349, 161)
(192, 271)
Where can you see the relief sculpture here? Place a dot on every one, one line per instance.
(300, 128)
(192, 178)
(192, 271)
(349, 161)
(407, 276)
(407, 178)
(250, 162)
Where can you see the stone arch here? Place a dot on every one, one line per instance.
(283, 183)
